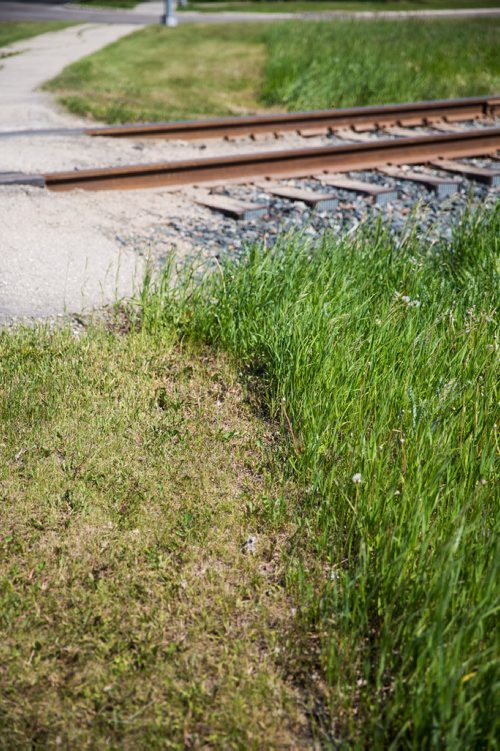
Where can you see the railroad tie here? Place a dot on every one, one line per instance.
(445, 127)
(320, 201)
(349, 134)
(312, 132)
(397, 130)
(479, 174)
(381, 194)
(441, 186)
(232, 207)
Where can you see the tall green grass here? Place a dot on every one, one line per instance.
(380, 360)
(348, 63)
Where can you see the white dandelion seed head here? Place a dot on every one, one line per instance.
(356, 478)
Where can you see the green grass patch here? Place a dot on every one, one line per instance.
(189, 72)
(13, 31)
(380, 360)
(357, 63)
(132, 470)
(159, 73)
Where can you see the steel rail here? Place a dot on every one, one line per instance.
(296, 162)
(415, 113)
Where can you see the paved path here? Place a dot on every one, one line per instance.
(39, 59)
(54, 255)
(150, 12)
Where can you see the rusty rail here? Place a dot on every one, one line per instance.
(296, 162)
(415, 113)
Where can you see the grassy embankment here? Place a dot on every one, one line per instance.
(14, 31)
(158, 73)
(132, 470)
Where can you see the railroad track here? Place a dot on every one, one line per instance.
(362, 151)
(305, 123)
(303, 162)
(312, 123)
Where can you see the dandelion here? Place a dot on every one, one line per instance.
(406, 299)
(356, 478)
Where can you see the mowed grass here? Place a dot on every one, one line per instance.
(190, 72)
(132, 471)
(161, 73)
(380, 360)
(13, 31)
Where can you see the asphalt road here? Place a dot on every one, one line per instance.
(60, 10)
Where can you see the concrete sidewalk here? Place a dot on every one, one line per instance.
(58, 254)
(38, 59)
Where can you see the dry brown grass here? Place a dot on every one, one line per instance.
(131, 474)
